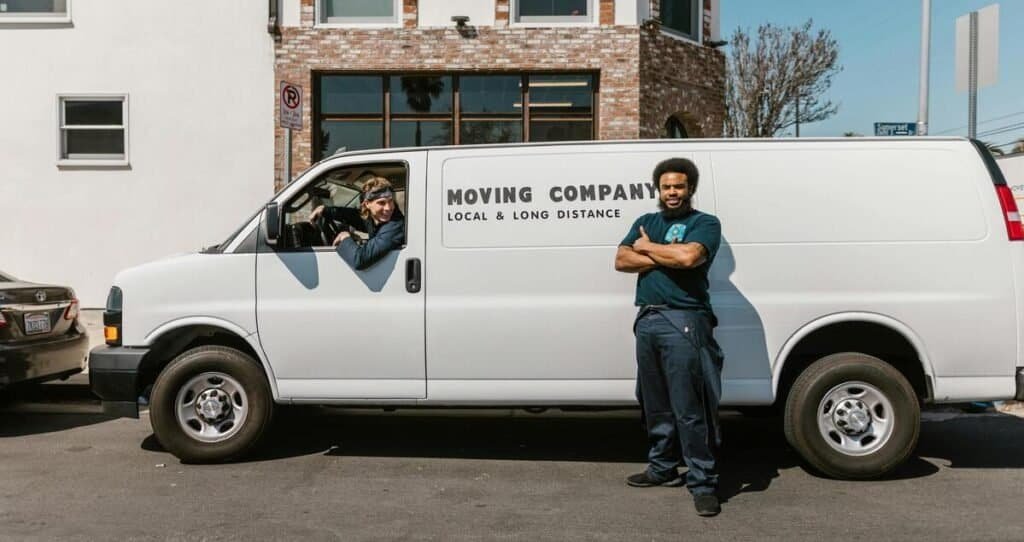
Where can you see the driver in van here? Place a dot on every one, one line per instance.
(377, 216)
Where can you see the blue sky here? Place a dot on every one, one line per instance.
(879, 48)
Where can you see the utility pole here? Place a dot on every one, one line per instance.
(926, 40)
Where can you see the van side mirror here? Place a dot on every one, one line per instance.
(272, 218)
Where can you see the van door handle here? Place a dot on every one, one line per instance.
(413, 275)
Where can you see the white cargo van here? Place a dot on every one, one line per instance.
(857, 280)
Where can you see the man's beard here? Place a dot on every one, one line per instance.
(678, 211)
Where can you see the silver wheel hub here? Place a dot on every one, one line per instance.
(852, 416)
(211, 407)
(855, 418)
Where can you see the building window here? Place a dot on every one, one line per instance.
(35, 11)
(491, 109)
(359, 12)
(681, 17)
(93, 129)
(372, 111)
(553, 11)
(561, 107)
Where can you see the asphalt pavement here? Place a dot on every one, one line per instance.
(67, 472)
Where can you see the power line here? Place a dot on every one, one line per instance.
(986, 121)
(1002, 129)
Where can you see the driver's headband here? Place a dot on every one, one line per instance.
(366, 197)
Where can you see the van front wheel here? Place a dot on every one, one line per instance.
(852, 416)
(210, 404)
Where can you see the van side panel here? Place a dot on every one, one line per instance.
(912, 232)
(527, 307)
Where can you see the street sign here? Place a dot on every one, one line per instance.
(895, 128)
(291, 106)
(986, 48)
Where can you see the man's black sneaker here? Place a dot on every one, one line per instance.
(643, 480)
(706, 505)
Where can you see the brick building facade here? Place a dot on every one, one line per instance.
(618, 73)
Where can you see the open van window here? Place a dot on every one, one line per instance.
(338, 188)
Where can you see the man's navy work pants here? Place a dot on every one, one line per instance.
(679, 383)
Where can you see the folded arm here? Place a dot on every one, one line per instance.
(628, 260)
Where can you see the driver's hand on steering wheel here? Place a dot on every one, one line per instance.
(341, 237)
(316, 213)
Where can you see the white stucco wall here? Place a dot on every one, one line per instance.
(199, 76)
(439, 12)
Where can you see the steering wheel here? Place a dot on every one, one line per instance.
(328, 228)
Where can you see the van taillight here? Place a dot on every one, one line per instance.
(1014, 228)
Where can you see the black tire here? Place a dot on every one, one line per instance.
(233, 363)
(810, 389)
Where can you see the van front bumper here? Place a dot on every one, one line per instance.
(113, 377)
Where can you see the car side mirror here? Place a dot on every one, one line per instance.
(272, 218)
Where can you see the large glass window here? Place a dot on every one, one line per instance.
(93, 128)
(553, 11)
(14, 9)
(561, 107)
(681, 17)
(359, 11)
(372, 111)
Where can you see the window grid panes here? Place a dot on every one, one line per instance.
(358, 11)
(33, 8)
(553, 11)
(362, 111)
(680, 17)
(93, 128)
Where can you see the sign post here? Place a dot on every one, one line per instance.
(290, 119)
(977, 57)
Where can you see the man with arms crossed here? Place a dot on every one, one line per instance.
(679, 364)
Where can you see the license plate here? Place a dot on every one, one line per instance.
(37, 323)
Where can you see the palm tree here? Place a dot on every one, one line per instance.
(993, 148)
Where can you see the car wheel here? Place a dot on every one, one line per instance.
(211, 403)
(852, 416)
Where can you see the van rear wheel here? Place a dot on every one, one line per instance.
(852, 416)
(211, 403)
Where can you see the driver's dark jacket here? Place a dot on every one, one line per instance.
(383, 238)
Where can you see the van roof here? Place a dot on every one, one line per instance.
(760, 140)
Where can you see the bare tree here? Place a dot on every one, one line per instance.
(785, 70)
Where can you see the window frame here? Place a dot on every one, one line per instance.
(457, 117)
(38, 18)
(698, 21)
(534, 21)
(395, 21)
(368, 163)
(99, 160)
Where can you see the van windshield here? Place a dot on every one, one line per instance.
(218, 248)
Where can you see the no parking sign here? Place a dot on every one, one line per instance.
(291, 106)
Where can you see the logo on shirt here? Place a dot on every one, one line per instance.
(676, 233)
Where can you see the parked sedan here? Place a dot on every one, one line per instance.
(40, 336)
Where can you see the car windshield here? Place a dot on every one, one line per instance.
(5, 278)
